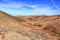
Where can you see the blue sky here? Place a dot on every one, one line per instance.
(30, 7)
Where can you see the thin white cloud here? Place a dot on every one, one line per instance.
(18, 8)
(11, 5)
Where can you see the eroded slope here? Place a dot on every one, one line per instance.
(12, 29)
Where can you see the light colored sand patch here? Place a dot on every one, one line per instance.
(15, 36)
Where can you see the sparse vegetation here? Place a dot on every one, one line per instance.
(50, 28)
(37, 24)
(22, 20)
(29, 18)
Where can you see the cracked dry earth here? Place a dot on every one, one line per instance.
(10, 29)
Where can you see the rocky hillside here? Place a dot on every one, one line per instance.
(42, 21)
(29, 27)
(49, 23)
